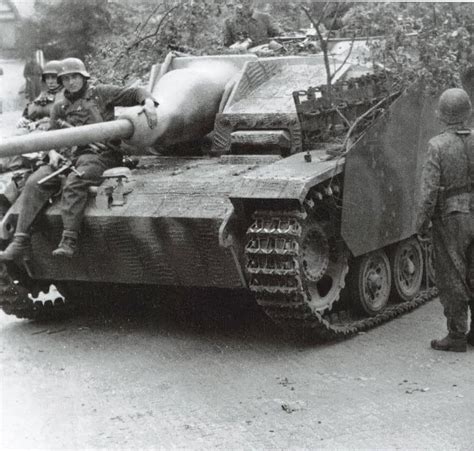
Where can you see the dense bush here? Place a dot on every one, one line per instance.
(121, 40)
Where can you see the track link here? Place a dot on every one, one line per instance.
(273, 256)
(17, 300)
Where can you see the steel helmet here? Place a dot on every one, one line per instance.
(73, 66)
(52, 67)
(454, 106)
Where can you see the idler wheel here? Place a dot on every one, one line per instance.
(406, 262)
(324, 266)
(370, 282)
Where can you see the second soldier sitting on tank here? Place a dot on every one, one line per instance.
(36, 115)
(83, 104)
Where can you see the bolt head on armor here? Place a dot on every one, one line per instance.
(454, 106)
(73, 66)
(53, 67)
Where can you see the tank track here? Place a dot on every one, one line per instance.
(24, 303)
(278, 285)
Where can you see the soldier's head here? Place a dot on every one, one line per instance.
(50, 73)
(454, 106)
(244, 7)
(73, 74)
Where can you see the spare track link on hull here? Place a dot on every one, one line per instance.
(17, 300)
(279, 289)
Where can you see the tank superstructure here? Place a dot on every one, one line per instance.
(324, 239)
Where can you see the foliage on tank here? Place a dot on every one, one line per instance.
(341, 114)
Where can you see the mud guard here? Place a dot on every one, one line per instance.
(288, 179)
(381, 177)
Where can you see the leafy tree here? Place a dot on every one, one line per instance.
(143, 34)
(64, 29)
(120, 40)
(431, 43)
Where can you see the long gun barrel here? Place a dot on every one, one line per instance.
(189, 99)
(55, 139)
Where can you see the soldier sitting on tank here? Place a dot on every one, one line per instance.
(39, 110)
(83, 104)
(36, 115)
(248, 27)
(447, 200)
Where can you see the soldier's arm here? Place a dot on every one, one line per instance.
(118, 96)
(115, 96)
(429, 190)
(56, 114)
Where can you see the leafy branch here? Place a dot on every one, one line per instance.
(324, 43)
(347, 143)
(155, 33)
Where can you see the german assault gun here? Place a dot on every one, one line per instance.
(291, 197)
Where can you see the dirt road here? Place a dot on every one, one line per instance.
(222, 377)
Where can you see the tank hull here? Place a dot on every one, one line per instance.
(323, 239)
(170, 231)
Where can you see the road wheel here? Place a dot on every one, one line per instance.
(324, 266)
(406, 262)
(370, 282)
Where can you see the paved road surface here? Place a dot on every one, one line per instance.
(222, 377)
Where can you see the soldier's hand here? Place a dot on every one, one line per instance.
(43, 124)
(23, 122)
(149, 110)
(54, 159)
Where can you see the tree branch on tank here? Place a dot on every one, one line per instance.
(324, 43)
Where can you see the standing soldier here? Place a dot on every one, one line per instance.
(82, 104)
(32, 73)
(448, 201)
(249, 25)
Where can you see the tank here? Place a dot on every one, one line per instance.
(304, 200)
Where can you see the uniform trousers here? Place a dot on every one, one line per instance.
(453, 236)
(74, 193)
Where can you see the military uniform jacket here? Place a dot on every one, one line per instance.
(42, 106)
(447, 176)
(258, 28)
(96, 104)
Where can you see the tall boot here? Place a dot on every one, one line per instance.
(19, 248)
(68, 245)
(451, 342)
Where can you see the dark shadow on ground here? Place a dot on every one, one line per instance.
(210, 314)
